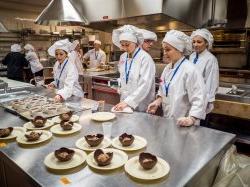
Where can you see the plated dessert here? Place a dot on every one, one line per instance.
(38, 123)
(68, 116)
(91, 142)
(34, 137)
(66, 125)
(11, 132)
(94, 140)
(64, 154)
(147, 166)
(126, 139)
(5, 132)
(107, 159)
(103, 158)
(65, 158)
(65, 128)
(129, 142)
(147, 160)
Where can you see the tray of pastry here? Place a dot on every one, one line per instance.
(35, 105)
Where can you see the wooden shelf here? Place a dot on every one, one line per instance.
(229, 50)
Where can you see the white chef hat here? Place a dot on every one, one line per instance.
(15, 48)
(29, 47)
(179, 40)
(61, 44)
(148, 35)
(204, 33)
(98, 42)
(127, 33)
(74, 44)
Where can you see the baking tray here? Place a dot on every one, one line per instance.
(29, 111)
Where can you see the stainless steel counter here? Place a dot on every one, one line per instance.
(193, 153)
(91, 74)
(243, 97)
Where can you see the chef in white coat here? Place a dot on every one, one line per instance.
(181, 92)
(75, 57)
(32, 58)
(149, 39)
(95, 56)
(137, 70)
(65, 72)
(206, 63)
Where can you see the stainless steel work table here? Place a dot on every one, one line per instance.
(193, 153)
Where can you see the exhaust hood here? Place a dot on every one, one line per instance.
(61, 12)
(154, 15)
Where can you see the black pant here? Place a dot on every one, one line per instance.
(39, 73)
(205, 123)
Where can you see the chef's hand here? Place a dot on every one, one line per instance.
(186, 121)
(120, 106)
(152, 107)
(50, 86)
(58, 98)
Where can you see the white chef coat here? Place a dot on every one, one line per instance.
(68, 81)
(74, 57)
(139, 92)
(186, 93)
(95, 57)
(33, 59)
(207, 65)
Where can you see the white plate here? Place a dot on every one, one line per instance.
(127, 110)
(17, 131)
(133, 168)
(44, 137)
(52, 162)
(82, 144)
(74, 118)
(30, 126)
(57, 129)
(138, 144)
(118, 160)
(102, 116)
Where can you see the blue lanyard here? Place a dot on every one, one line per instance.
(196, 59)
(96, 55)
(127, 71)
(175, 71)
(58, 80)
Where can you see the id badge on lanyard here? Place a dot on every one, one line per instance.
(58, 80)
(127, 71)
(166, 85)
